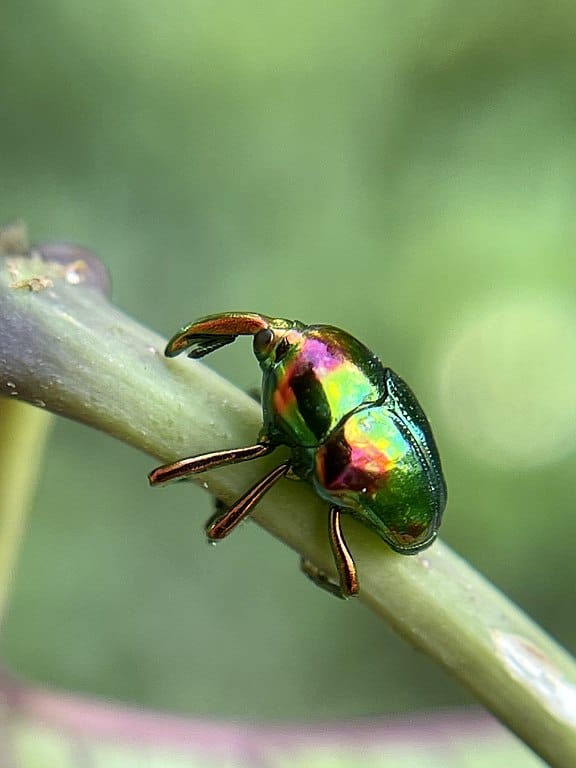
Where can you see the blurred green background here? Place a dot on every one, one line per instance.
(404, 170)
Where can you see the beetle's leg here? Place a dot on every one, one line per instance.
(321, 578)
(195, 464)
(221, 525)
(348, 585)
(219, 509)
(342, 556)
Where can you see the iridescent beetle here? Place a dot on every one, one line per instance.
(355, 431)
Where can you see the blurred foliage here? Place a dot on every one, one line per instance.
(395, 169)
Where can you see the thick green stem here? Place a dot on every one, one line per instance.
(63, 345)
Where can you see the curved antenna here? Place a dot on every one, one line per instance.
(215, 331)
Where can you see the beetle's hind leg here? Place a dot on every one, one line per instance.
(225, 520)
(348, 580)
(193, 465)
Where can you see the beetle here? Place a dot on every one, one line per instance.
(355, 432)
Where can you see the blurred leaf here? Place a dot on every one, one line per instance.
(47, 729)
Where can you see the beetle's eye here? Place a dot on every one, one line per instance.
(262, 341)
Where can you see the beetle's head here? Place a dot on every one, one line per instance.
(275, 342)
(215, 331)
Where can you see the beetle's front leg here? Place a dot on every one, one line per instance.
(348, 584)
(193, 465)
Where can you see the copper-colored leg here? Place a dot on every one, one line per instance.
(344, 562)
(196, 464)
(348, 580)
(221, 526)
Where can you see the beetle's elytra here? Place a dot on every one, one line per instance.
(355, 431)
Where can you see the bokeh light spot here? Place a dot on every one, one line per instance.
(508, 381)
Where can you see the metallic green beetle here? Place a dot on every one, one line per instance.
(355, 431)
